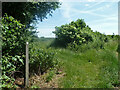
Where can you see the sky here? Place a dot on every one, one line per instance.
(99, 15)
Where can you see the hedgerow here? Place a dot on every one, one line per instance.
(14, 37)
(76, 34)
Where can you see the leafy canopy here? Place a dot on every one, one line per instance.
(29, 12)
(75, 32)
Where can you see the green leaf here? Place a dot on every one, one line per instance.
(13, 58)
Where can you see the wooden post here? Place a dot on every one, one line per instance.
(27, 66)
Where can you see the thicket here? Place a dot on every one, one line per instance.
(76, 34)
(14, 37)
(15, 34)
(41, 59)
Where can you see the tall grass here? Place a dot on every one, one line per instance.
(90, 69)
(93, 68)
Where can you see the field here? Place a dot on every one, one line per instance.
(93, 68)
(76, 58)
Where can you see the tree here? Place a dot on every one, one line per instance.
(75, 33)
(29, 12)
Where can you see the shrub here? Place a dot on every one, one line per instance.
(14, 35)
(118, 48)
(9, 65)
(41, 60)
(76, 34)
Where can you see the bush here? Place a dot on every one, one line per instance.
(118, 48)
(78, 36)
(75, 32)
(9, 65)
(84, 47)
(41, 60)
(14, 35)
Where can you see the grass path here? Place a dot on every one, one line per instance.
(91, 69)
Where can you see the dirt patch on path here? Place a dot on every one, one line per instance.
(40, 81)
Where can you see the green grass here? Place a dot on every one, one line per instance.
(90, 69)
(43, 42)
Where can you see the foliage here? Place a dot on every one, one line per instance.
(35, 86)
(41, 59)
(91, 68)
(118, 47)
(14, 36)
(9, 65)
(50, 76)
(29, 12)
(77, 33)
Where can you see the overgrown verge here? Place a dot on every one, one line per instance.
(14, 36)
(13, 49)
(90, 69)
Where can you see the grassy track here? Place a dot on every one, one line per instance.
(90, 69)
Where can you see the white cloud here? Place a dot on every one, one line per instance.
(65, 10)
(108, 19)
(106, 25)
(46, 32)
(97, 3)
(91, 0)
(87, 5)
(88, 0)
(107, 6)
(107, 28)
(103, 7)
(90, 12)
